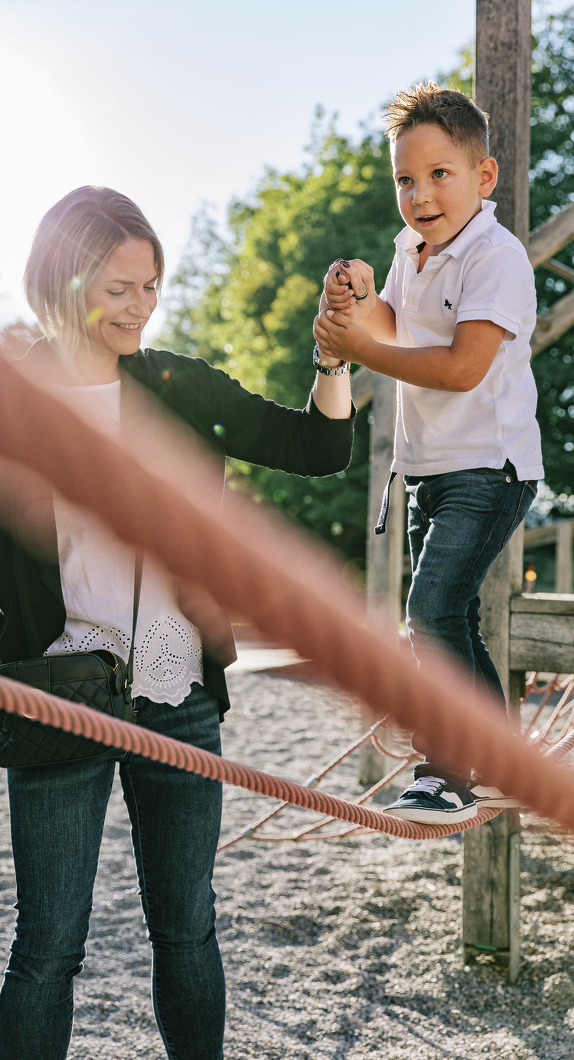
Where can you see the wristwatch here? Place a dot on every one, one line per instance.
(328, 371)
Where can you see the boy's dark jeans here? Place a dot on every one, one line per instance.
(457, 524)
(57, 817)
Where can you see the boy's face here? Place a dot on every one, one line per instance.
(439, 187)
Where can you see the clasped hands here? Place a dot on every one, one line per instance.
(348, 297)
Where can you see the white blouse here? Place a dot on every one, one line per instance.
(97, 574)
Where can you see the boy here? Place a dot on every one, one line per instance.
(452, 325)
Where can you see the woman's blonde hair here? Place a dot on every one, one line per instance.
(72, 242)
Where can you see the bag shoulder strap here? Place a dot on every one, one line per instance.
(138, 571)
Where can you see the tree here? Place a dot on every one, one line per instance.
(248, 304)
(552, 186)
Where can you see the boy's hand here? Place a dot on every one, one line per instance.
(338, 336)
(355, 301)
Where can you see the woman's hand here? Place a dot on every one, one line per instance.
(337, 335)
(349, 287)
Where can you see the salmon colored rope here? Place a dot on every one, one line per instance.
(77, 718)
(166, 500)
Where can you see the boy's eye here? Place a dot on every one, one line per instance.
(439, 173)
(403, 182)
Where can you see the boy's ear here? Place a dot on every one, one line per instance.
(488, 176)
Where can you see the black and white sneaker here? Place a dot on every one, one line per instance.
(493, 799)
(432, 800)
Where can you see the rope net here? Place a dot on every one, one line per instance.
(157, 490)
(554, 738)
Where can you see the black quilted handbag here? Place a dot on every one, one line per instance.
(98, 679)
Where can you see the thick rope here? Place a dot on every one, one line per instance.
(77, 718)
(254, 567)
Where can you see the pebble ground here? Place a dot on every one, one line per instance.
(340, 950)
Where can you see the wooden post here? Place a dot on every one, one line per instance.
(502, 88)
(384, 551)
(564, 535)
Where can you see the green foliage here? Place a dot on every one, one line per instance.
(551, 188)
(248, 305)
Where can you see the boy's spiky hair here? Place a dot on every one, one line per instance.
(429, 104)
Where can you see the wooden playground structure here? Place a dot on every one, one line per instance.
(524, 631)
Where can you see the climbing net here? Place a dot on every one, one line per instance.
(158, 493)
(548, 702)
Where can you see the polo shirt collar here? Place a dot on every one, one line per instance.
(410, 240)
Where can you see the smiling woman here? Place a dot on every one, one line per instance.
(93, 296)
(92, 278)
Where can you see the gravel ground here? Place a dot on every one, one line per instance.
(343, 949)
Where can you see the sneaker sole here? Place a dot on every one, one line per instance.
(432, 816)
(502, 803)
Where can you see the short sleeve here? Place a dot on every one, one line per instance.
(499, 286)
(389, 291)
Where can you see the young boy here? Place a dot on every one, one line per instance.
(452, 325)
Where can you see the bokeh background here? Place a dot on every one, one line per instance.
(251, 136)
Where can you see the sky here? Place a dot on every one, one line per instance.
(185, 102)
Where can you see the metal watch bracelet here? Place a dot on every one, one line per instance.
(328, 371)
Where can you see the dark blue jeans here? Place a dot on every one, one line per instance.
(457, 524)
(57, 818)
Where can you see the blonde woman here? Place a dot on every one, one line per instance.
(92, 278)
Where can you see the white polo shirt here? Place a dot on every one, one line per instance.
(484, 274)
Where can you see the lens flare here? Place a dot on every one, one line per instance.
(94, 315)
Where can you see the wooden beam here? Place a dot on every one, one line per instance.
(542, 604)
(362, 386)
(502, 89)
(384, 551)
(551, 236)
(544, 535)
(563, 574)
(560, 269)
(555, 323)
(542, 632)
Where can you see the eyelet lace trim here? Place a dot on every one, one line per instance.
(167, 657)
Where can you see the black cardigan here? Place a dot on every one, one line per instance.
(236, 423)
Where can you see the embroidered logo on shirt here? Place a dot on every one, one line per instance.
(447, 304)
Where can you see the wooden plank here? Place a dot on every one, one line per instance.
(542, 632)
(543, 603)
(555, 323)
(546, 656)
(384, 551)
(545, 628)
(560, 269)
(540, 535)
(563, 573)
(503, 581)
(487, 897)
(514, 908)
(551, 236)
(362, 386)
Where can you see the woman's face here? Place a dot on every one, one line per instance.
(122, 298)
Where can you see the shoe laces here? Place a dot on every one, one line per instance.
(427, 785)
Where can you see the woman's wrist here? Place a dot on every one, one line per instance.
(325, 359)
(326, 365)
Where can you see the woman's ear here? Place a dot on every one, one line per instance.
(488, 176)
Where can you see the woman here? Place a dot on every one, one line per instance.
(92, 278)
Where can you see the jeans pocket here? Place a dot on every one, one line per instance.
(525, 500)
